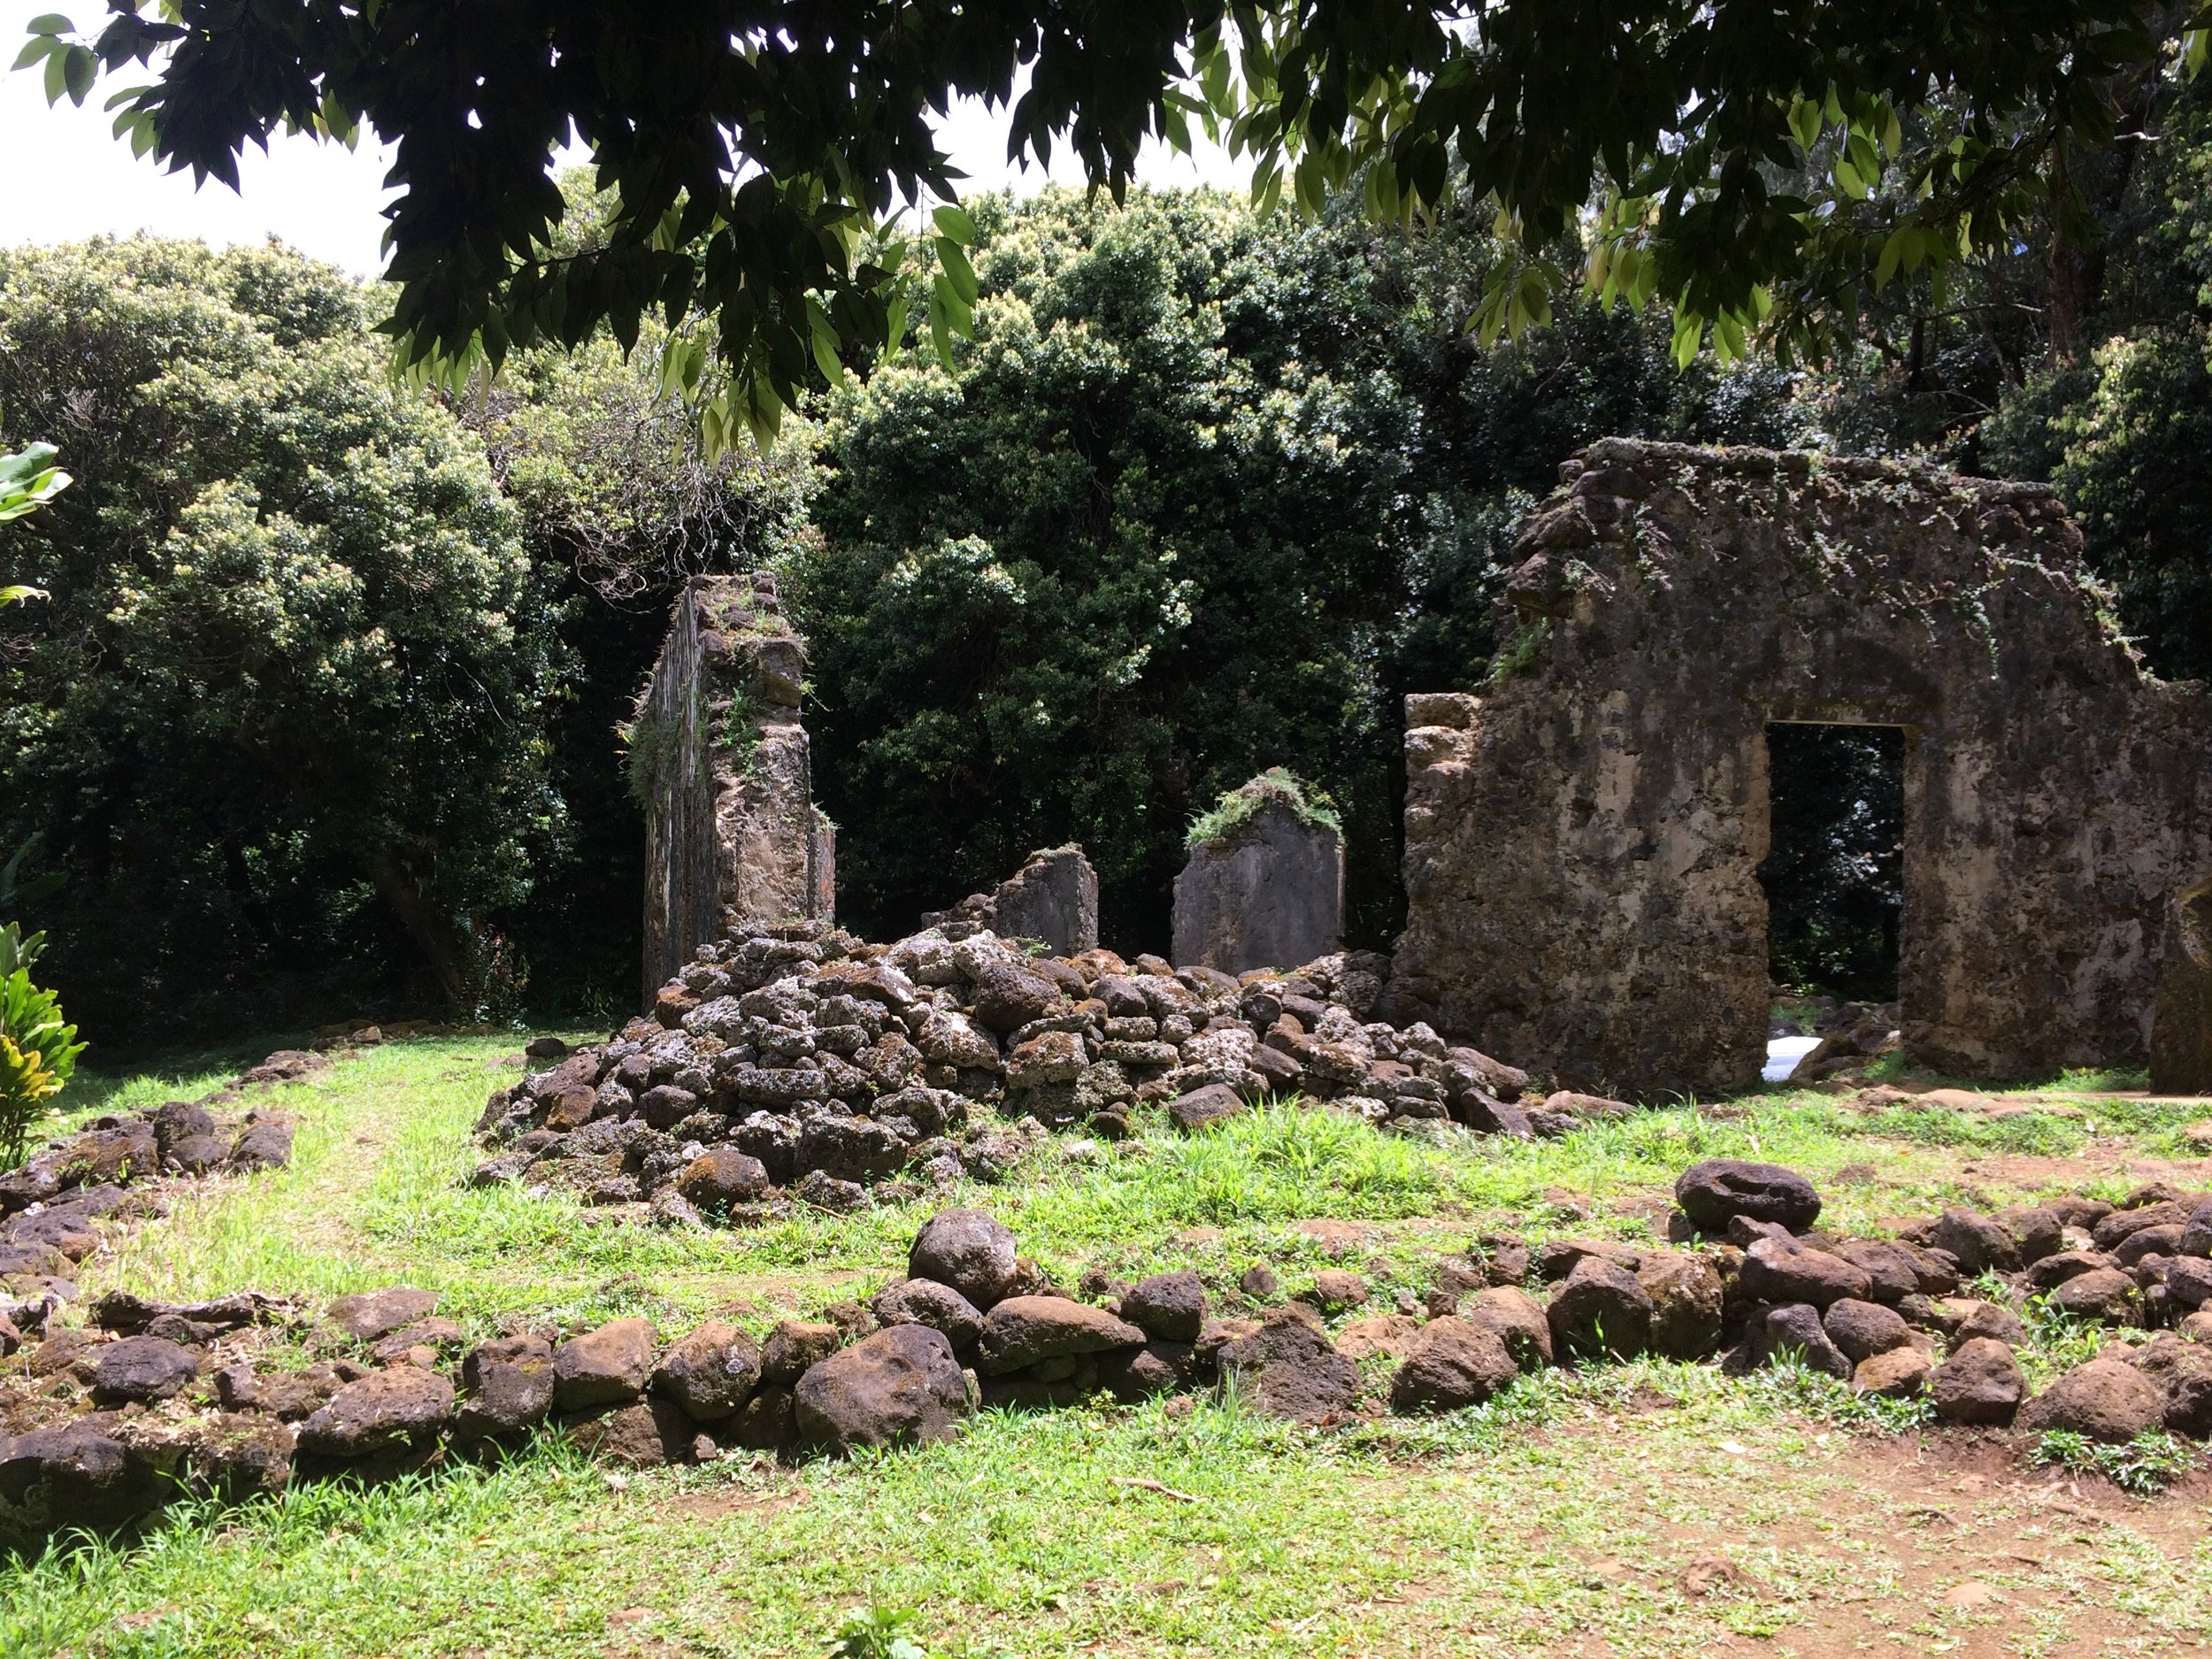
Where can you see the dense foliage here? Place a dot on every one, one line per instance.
(1834, 877)
(1741, 148)
(619, 508)
(320, 714)
(281, 720)
(38, 1048)
(1207, 495)
(2080, 355)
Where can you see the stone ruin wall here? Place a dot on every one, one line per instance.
(1268, 895)
(1583, 835)
(731, 833)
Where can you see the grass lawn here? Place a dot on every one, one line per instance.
(1646, 1509)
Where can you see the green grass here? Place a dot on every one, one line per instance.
(1556, 1519)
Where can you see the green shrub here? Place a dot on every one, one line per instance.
(1229, 816)
(38, 1049)
(2150, 1463)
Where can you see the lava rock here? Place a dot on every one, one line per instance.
(793, 1347)
(1600, 1312)
(80, 1475)
(403, 1406)
(1980, 1383)
(2182, 1372)
(1783, 1271)
(711, 1373)
(1287, 1368)
(2117, 1225)
(1203, 1108)
(1795, 1327)
(1897, 1373)
(1979, 1242)
(609, 1366)
(1686, 1297)
(180, 1120)
(1132, 1374)
(266, 1145)
(1021, 1331)
(1711, 1192)
(2196, 1233)
(1863, 1329)
(899, 1386)
(1513, 1317)
(926, 1302)
(140, 1367)
(371, 1314)
(2104, 1293)
(2106, 1400)
(968, 1250)
(722, 1176)
(645, 1434)
(1453, 1362)
(1167, 1307)
(510, 1384)
(1889, 1269)
(1008, 998)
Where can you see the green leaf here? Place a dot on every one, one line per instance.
(826, 343)
(1689, 333)
(940, 327)
(894, 325)
(80, 67)
(1805, 123)
(35, 48)
(1885, 268)
(1865, 158)
(57, 75)
(26, 463)
(957, 271)
(955, 225)
(51, 23)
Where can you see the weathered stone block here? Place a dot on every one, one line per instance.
(720, 761)
(2181, 1025)
(1264, 886)
(1053, 897)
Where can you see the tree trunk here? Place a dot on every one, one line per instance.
(434, 933)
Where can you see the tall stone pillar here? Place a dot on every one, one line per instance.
(2181, 1024)
(1264, 886)
(719, 760)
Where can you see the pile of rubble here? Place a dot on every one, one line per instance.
(1852, 1034)
(118, 1165)
(102, 1423)
(798, 1064)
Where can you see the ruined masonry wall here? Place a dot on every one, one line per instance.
(1583, 836)
(731, 833)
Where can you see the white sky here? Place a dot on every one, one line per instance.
(69, 178)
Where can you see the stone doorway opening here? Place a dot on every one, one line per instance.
(1834, 880)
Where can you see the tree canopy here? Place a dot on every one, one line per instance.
(288, 696)
(1206, 494)
(1752, 164)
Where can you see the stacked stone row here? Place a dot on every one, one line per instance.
(799, 1064)
(975, 1325)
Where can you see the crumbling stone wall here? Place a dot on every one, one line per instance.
(721, 763)
(1583, 834)
(1053, 896)
(1267, 890)
(2181, 1029)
